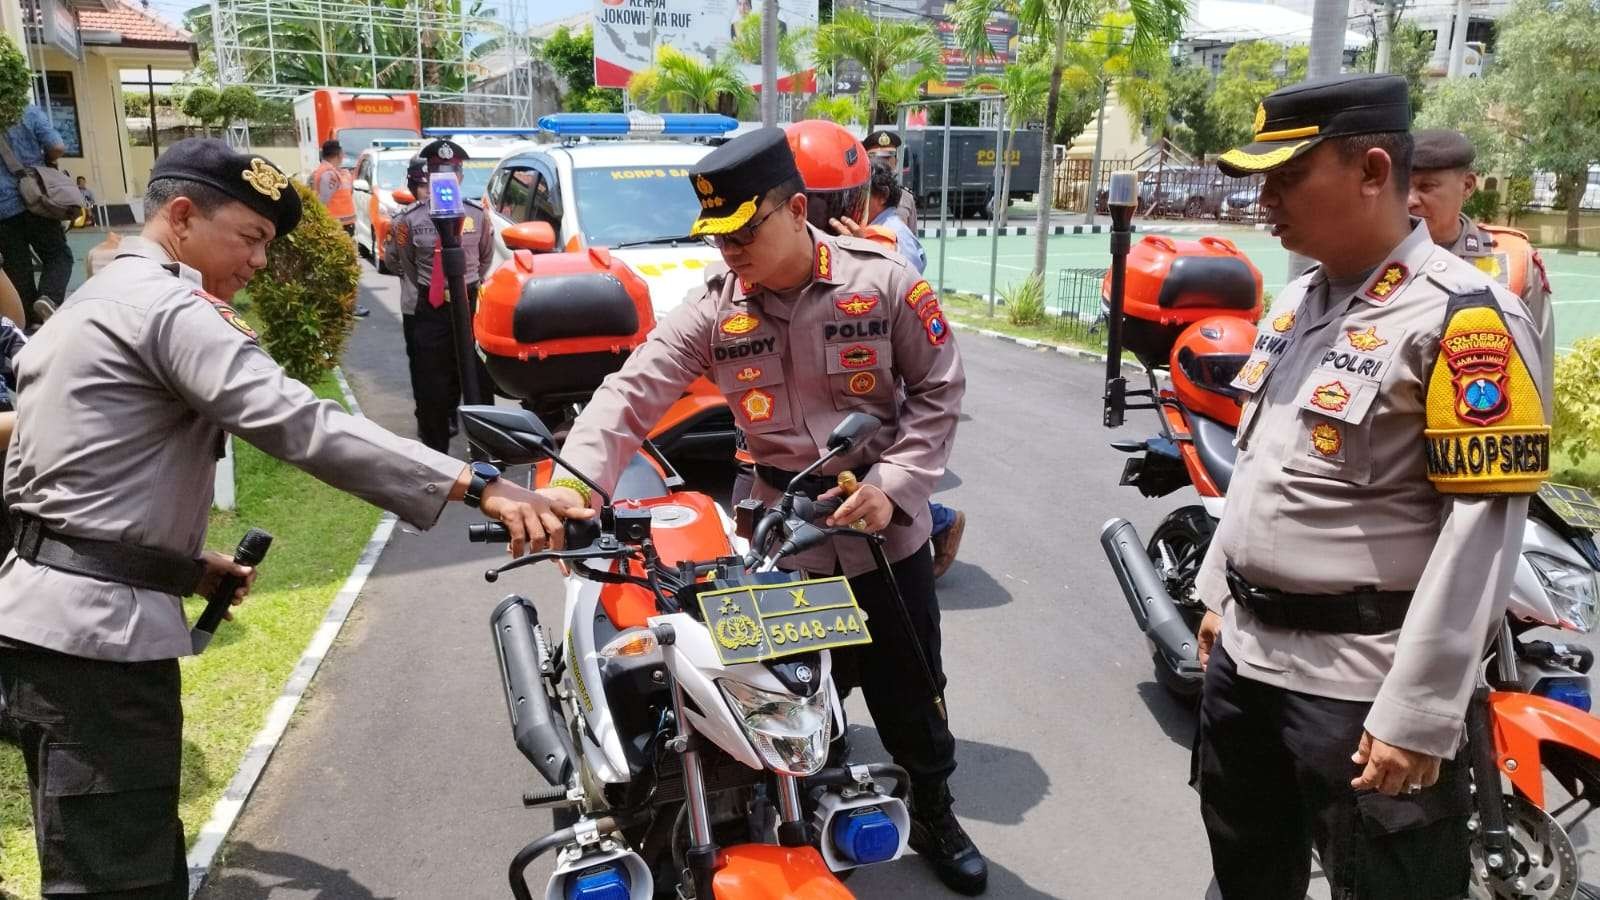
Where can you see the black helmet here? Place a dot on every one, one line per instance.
(416, 172)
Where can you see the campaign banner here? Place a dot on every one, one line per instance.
(627, 33)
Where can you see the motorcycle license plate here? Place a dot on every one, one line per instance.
(758, 622)
(1574, 505)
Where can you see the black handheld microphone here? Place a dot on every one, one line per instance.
(252, 550)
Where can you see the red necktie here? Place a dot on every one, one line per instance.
(436, 279)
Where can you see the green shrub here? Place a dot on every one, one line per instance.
(305, 298)
(1025, 302)
(201, 103)
(1482, 206)
(1577, 426)
(16, 80)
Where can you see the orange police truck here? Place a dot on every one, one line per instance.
(355, 119)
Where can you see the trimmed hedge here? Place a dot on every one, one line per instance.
(305, 297)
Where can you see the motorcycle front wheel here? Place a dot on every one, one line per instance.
(1176, 549)
(1546, 863)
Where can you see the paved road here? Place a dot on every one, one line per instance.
(399, 777)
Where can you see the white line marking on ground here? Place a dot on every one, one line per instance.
(226, 811)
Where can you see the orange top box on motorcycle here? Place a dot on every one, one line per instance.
(553, 325)
(1173, 283)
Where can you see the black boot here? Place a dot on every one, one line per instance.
(939, 838)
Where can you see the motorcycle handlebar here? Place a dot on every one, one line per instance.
(488, 533)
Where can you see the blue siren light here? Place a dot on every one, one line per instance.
(607, 882)
(865, 836)
(1571, 691)
(637, 124)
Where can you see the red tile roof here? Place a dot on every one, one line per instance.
(137, 27)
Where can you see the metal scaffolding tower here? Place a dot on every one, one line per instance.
(440, 50)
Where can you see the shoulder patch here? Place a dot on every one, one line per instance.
(1486, 431)
(228, 313)
(1389, 279)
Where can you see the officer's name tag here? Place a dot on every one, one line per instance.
(767, 621)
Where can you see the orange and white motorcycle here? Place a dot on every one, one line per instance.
(685, 711)
(1528, 725)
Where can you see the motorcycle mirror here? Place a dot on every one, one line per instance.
(513, 436)
(853, 431)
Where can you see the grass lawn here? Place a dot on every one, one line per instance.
(318, 534)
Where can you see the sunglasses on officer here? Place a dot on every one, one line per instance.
(743, 236)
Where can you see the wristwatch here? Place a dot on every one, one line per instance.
(483, 475)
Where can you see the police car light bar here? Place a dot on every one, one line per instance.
(637, 123)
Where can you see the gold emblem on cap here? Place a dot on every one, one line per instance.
(704, 185)
(266, 179)
(884, 140)
(1261, 118)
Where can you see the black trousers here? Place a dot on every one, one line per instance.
(103, 745)
(1274, 769)
(889, 675)
(435, 383)
(22, 236)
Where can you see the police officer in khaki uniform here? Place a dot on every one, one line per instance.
(411, 250)
(883, 148)
(1442, 180)
(799, 330)
(1396, 418)
(122, 407)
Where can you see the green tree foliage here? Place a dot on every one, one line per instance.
(305, 297)
(1053, 23)
(683, 83)
(882, 48)
(842, 108)
(1409, 51)
(201, 103)
(1538, 109)
(1251, 71)
(571, 55)
(1180, 111)
(16, 80)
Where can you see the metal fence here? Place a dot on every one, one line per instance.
(1076, 307)
(1170, 186)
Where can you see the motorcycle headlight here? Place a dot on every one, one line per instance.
(1574, 590)
(790, 733)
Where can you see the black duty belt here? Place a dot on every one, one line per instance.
(130, 564)
(1364, 611)
(810, 486)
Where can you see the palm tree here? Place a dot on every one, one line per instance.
(1155, 24)
(880, 47)
(844, 109)
(793, 47)
(1106, 62)
(1024, 86)
(683, 83)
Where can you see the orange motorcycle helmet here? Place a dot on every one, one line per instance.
(1205, 359)
(834, 166)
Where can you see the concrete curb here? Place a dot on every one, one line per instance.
(228, 807)
(1567, 251)
(1031, 344)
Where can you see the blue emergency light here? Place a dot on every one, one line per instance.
(866, 836)
(637, 124)
(605, 882)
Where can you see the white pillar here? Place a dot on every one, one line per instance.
(222, 495)
(1458, 39)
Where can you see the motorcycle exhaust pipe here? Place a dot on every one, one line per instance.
(1152, 607)
(534, 724)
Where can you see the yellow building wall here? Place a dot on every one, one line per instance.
(97, 85)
